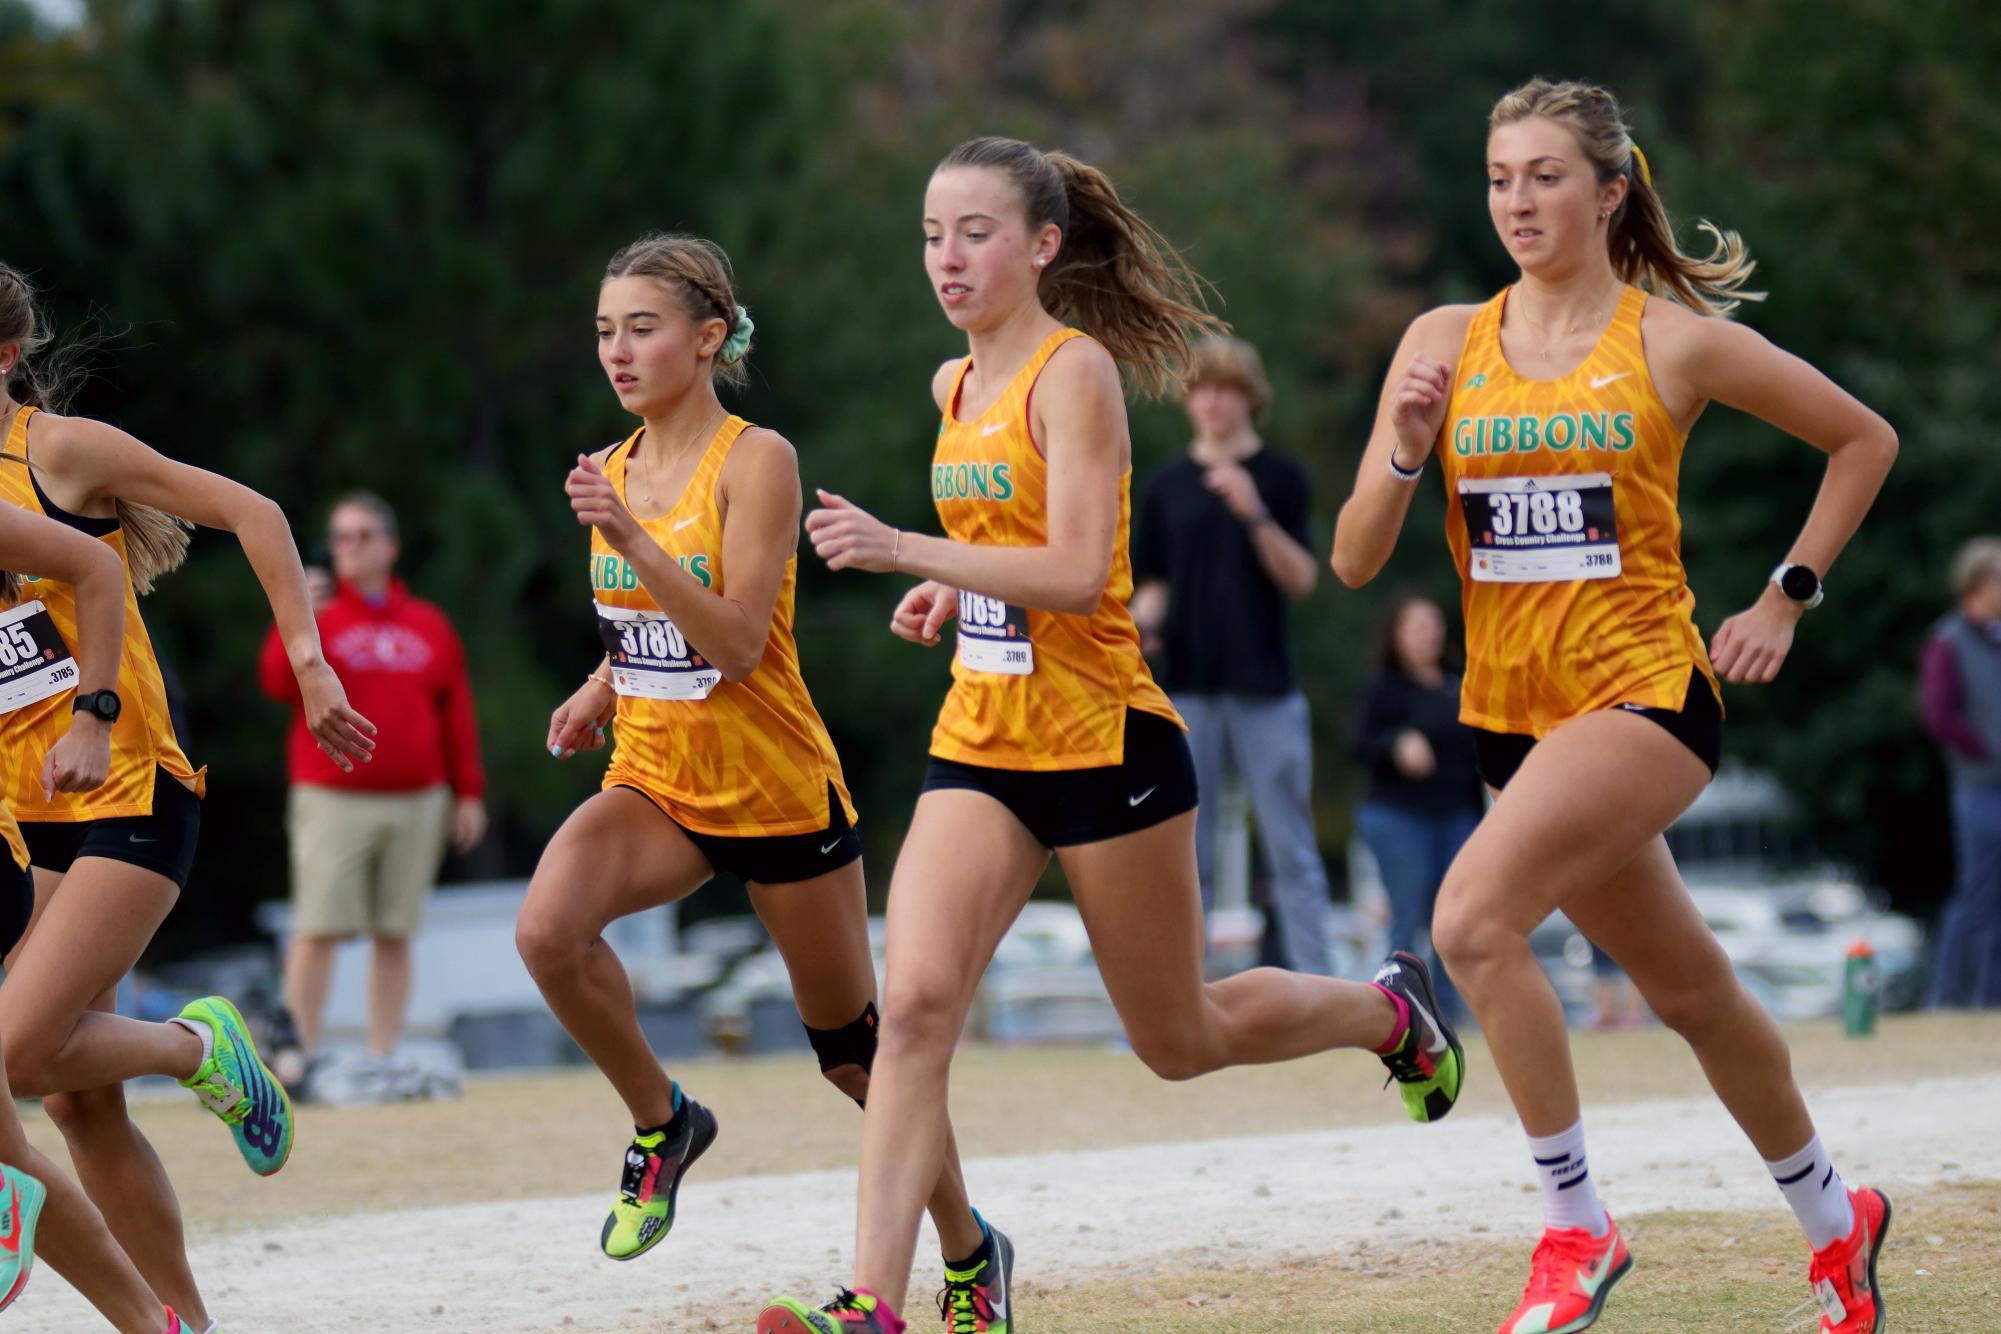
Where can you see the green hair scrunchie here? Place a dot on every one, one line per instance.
(738, 342)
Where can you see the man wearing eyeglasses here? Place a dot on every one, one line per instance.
(366, 845)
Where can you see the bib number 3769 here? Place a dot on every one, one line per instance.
(34, 661)
(993, 636)
(1525, 530)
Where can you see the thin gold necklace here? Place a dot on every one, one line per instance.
(1542, 333)
(706, 430)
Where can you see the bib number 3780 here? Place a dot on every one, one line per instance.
(34, 661)
(651, 658)
(1525, 530)
(993, 636)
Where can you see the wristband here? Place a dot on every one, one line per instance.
(603, 681)
(1399, 473)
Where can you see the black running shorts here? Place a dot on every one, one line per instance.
(163, 841)
(1698, 724)
(779, 859)
(1067, 807)
(17, 902)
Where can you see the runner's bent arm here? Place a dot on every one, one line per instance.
(760, 488)
(80, 760)
(1079, 414)
(106, 464)
(1702, 359)
(1409, 416)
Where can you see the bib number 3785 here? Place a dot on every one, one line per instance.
(34, 661)
(651, 658)
(993, 636)
(1526, 530)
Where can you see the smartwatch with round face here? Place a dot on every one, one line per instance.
(1800, 584)
(103, 705)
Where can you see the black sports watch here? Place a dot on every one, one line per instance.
(1800, 584)
(103, 705)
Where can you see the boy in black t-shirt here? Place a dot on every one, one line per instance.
(1221, 549)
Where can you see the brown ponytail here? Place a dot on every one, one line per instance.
(155, 542)
(1114, 276)
(1640, 235)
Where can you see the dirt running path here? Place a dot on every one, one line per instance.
(479, 1268)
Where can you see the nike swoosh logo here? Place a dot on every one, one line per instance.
(1438, 1043)
(1000, 1301)
(830, 847)
(141, 838)
(1592, 1277)
(1600, 381)
(684, 523)
(990, 429)
(1134, 801)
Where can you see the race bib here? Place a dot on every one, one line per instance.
(993, 636)
(650, 658)
(1529, 530)
(34, 661)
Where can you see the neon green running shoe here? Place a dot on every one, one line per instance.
(654, 1166)
(854, 1311)
(1429, 1064)
(975, 1300)
(238, 1087)
(20, 1206)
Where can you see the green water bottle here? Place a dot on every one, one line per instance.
(1859, 991)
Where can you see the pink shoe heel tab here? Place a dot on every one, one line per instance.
(892, 1323)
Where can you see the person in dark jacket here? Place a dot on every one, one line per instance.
(1424, 794)
(1960, 689)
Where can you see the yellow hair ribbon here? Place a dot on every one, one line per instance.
(1640, 161)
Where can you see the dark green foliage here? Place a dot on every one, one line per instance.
(358, 244)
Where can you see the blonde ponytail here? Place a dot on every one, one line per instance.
(1640, 234)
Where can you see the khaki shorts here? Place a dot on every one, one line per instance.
(365, 862)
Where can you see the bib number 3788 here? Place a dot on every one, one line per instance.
(34, 661)
(1525, 530)
(993, 636)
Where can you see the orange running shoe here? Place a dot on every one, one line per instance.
(1569, 1279)
(1843, 1273)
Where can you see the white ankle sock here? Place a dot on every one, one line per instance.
(1568, 1198)
(1815, 1191)
(202, 1031)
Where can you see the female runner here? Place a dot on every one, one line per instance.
(39, 1208)
(1558, 411)
(721, 762)
(112, 861)
(1054, 737)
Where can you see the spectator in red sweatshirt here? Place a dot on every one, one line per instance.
(367, 845)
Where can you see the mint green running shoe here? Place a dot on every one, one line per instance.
(238, 1087)
(20, 1207)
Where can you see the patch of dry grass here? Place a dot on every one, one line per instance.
(1692, 1272)
(562, 1133)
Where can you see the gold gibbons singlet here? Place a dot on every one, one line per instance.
(10, 833)
(1562, 521)
(1031, 689)
(36, 688)
(743, 759)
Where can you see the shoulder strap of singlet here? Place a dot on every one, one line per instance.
(17, 433)
(17, 446)
(958, 384)
(1632, 305)
(711, 467)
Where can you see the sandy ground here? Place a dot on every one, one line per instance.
(500, 1263)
